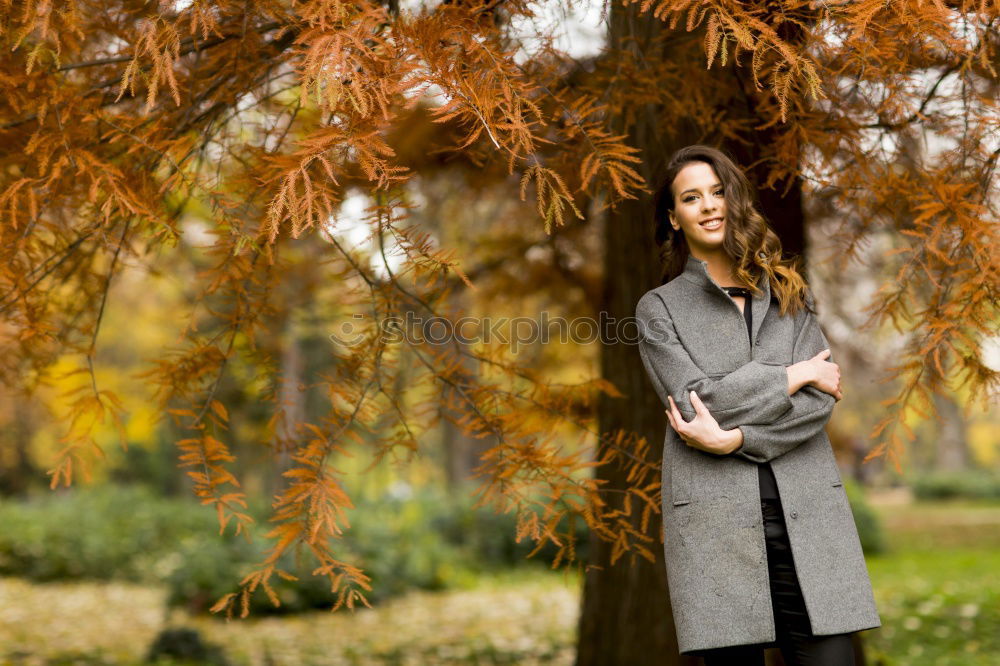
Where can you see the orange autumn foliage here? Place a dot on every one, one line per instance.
(116, 117)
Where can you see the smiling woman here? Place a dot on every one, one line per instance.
(700, 205)
(760, 544)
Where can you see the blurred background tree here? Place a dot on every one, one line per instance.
(202, 201)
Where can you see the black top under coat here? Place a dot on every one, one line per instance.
(765, 476)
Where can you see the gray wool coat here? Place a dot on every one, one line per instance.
(692, 336)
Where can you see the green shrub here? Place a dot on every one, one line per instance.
(426, 539)
(963, 484)
(423, 538)
(99, 532)
(869, 526)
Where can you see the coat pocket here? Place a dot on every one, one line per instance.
(835, 479)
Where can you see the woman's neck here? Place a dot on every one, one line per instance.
(720, 269)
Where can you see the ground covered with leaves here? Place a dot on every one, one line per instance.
(526, 617)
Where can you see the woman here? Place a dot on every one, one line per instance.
(760, 542)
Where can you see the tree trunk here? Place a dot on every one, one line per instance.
(625, 616)
(17, 471)
(951, 448)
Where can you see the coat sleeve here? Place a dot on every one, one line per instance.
(755, 392)
(764, 440)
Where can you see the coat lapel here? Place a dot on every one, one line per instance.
(696, 270)
(760, 303)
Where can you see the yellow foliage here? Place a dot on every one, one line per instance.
(261, 118)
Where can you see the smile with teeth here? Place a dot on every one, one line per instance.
(713, 223)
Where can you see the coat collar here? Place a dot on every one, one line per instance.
(696, 271)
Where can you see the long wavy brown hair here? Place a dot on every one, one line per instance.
(748, 241)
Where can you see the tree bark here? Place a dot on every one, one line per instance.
(951, 446)
(625, 616)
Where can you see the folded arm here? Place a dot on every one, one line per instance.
(754, 393)
(765, 440)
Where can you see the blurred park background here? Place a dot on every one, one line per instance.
(97, 572)
(202, 201)
(100, 572)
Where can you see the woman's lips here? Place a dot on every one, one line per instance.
(711, 224)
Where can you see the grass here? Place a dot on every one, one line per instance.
(937, 588)
(937, 607)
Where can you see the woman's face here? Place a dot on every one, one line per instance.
(699, 206)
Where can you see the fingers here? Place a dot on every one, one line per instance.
(677, 421)
(699, 407)
(674, 412)
(671, 412)
(670, 418)
(823, 354)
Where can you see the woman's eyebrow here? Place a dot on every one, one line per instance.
(694, 189)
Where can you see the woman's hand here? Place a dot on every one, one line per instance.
(703, 431)
(823, 374)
